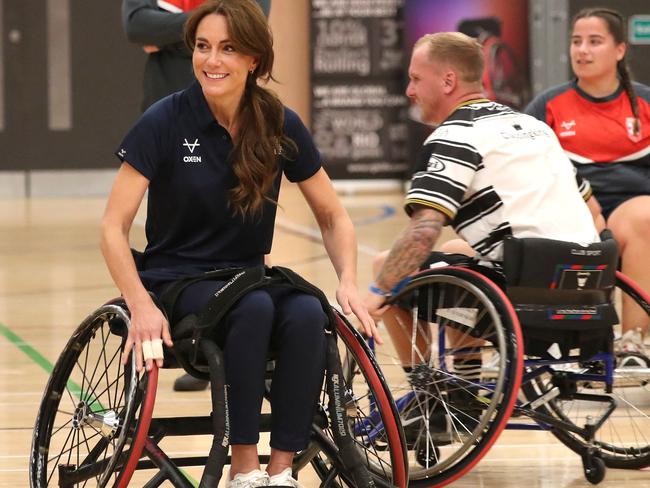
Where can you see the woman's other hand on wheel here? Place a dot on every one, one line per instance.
(149, 329)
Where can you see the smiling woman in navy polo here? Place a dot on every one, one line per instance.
(212, 158)
(189, 220)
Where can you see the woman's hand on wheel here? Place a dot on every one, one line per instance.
(348, 298)
(149, 329)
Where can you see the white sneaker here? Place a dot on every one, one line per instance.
(632, 341)
(252, 479)
(284, 479)
(631, 351)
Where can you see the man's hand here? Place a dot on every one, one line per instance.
(376, 305)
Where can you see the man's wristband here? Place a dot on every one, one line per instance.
(378, 291)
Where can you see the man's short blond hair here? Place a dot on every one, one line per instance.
(462, 52)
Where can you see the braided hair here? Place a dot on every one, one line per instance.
(616, 27)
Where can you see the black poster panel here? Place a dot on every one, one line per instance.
(358, 106)
(102, 74)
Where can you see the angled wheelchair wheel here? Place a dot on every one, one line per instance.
(372, 422)
(457, 378)
(623, 440)
(95, 412)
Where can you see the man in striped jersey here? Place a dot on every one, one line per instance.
(486, 170)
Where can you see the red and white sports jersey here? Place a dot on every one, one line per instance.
(596, 130)
(178, 6)
(597, 134)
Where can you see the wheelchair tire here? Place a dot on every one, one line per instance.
(623, 441)
(372, 421)
(437, 301)
(95, 412)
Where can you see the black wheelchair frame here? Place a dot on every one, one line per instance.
(96, 424)
(450, 420)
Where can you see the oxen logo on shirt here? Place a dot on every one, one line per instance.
(191, 146)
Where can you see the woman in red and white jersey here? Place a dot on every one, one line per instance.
(602, 119)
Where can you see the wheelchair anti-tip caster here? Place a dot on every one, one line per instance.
(593, 466)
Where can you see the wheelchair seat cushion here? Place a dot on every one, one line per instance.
(562, 293)
(559, 265)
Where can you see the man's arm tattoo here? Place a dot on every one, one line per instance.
(412, 248)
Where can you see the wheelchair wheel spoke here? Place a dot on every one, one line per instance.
(106, 367)
(104, 393)
(58, 429)
(73, 400)
(89, 391)
(367, 445)
(372, 426)
(111, 387)
(97, 362)
(88, 412)
(450, 407)
(83, 432)
(84, 379)
(623, 438)
(73, 446)
(119, 391)
(62, 453)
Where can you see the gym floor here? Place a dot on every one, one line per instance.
(52, 275)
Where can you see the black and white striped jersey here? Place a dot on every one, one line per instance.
(495, 172)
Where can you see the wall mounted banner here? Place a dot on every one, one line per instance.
(358, 106)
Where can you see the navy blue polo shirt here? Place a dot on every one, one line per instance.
(182, 150)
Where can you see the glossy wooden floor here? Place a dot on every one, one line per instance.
(52, 275)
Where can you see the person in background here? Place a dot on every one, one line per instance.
(158, 29)
(178, 6)
(168, 69)
(602, 119)
(212, 158)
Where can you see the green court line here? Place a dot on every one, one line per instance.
(195, 483)
(44, 363)
(32, 353)
(39, 359)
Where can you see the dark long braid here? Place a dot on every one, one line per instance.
(616, 26)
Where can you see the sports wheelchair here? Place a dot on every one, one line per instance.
(95, 425)
(535, 352)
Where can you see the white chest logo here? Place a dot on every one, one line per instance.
(629, 124)
(191, 146)
(568, 127)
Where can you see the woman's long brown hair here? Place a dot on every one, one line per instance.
(260, 138)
